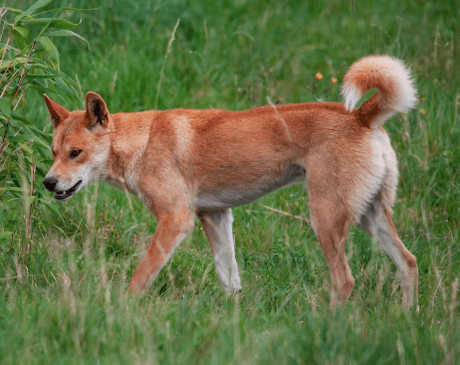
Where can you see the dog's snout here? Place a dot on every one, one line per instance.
(50, 183)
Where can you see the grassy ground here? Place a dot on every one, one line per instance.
(61, 297)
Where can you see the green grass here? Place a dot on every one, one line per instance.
(62, 291)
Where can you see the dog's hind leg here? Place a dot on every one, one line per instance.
(377, 221)
(330, 221)
(218, 227)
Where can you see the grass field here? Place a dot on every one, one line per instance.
(62, 285)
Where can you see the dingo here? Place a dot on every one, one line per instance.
(184, 162)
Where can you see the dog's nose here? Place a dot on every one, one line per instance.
(50, 183)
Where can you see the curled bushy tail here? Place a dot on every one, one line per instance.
(392, 79)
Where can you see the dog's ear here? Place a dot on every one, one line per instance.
(57, 112)
(96, 111)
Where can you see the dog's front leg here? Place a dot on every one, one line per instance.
(171, 230)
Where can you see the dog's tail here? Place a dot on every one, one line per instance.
(392, 79)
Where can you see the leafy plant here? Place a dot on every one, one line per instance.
(29, 63)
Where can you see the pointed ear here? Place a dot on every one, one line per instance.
(96, 111)
(57, 112)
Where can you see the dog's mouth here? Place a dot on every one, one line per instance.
(67, 194)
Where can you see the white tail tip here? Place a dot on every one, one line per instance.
(389, 75)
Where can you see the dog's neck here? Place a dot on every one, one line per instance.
(127, 146)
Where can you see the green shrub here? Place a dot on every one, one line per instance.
(29, 63)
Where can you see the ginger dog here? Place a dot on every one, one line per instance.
(186, 162)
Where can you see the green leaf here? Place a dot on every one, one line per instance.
(64, 87)
(52, 23)
(19, 116)
(21, 37)
(14, 10)
(70, 9)
(59, 228)
(36, 6)
(18, 61)
(22, 30)
(26, 148)
(50, 50)
(51, 207)
(38, 132)
(19, 138)
(21, 43)
(5, 107)
(42, 76)
(66, 33)
(11, 189)
(5, 235)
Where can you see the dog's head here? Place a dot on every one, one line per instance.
(80, 147)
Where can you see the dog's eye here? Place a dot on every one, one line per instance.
(74, 153)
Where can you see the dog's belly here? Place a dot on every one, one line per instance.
(241, 195)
